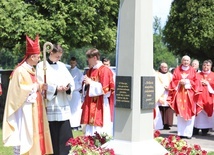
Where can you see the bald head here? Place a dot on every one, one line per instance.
(163, 67)
(186, 57)
(185, 61)
(195, 64)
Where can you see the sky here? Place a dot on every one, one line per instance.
(161, 9)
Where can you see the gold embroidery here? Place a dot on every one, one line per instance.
(184, 75)
(91, 121)
(182, 108)
(94, 99)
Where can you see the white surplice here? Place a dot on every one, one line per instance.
(75, 103)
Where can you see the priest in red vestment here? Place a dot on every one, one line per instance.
(183, 92)
(98, 91)
(205, 118)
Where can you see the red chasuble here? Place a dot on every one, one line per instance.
(206, 98)
(181, 99)
(92, 108)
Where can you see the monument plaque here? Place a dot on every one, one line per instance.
(123, 91)
(147, 92)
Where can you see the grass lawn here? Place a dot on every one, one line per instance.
(4, 150)
(77, 133)
(9, 150)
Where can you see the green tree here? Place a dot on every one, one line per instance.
(16, 20)
(161, 52)
(74, 24)
(189, 29)
(79, 53)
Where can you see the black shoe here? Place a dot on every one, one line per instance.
(80, 128)
(195, 131)
(74, 128)
(185, 137)
(182, 137)
(204, 132)
(166, 127)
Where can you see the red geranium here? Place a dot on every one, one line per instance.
(177, 146)
(88, 145)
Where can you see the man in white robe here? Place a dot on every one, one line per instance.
(60, 85)
(76, 103)
(163, 78)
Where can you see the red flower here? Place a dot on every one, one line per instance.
(84, 151)
(156, 133)
(197, 147)
(89, 144)
(204, 152)
(184, 148)
(177, 146)
(171, 137)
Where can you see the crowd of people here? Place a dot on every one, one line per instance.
(46, 101)
(188, 93)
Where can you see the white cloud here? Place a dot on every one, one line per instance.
(161, 9)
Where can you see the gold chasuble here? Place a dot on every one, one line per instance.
(182, 98)
(25, 124)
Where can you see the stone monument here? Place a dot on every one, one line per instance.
(135, 81)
